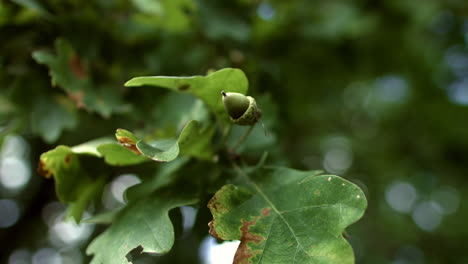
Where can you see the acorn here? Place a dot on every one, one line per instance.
(241, 109)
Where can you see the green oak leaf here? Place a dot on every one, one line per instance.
(50, 116)
(65, 67)
(165, 176)
(90, 147)
(161, 150)
(69, 72)
(170, 15)
(105, 218)
(117, 155)
(142, 223)
(192, 141)
(72, 184)
(207, 88)
(112, 152)
(288, 216)
(174, 111)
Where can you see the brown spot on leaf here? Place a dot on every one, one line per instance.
(129, 144)
(68, 159)
(183, 87)
(132, 148)
(215, 205)
(213, 230)
(77, 67)
(244, 253)
(43, 171)
(77, 98)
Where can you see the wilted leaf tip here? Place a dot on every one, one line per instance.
(42, 170)
(212, 230)
(127, 139)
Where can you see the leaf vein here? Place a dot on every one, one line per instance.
(152, 232)
(266, 239)
(318, 206)
(270, 203)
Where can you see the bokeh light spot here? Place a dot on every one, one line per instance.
(121, 184)
(46, 256)
(426, 216)
(15, 172)
(338, 156)
(20, 256)
(458, 92)
(391, 89)
(67, 232)
(188, 214)
(214, 253)
(113, 195)
(51, 211)
(266, 11)
(9, 213)
(401, 196)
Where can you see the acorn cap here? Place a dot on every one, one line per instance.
(251, 116)
(236, 104)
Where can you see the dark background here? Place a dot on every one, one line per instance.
(375, 91)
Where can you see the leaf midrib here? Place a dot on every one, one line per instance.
(270, 203)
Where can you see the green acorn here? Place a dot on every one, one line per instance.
(242, 109)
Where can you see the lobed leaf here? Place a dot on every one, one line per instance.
(72, 184)
(207, 88)
(51, 116)
(69, 71)
(143, 223)
(288, 216)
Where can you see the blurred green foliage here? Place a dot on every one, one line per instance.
(375, 91)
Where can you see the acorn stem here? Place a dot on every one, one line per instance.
(243, 138)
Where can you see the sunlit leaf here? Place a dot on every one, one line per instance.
(207, 88)
(73, 185)
(288, 216)
(117, 155)
(112, 152)
(90, 147)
